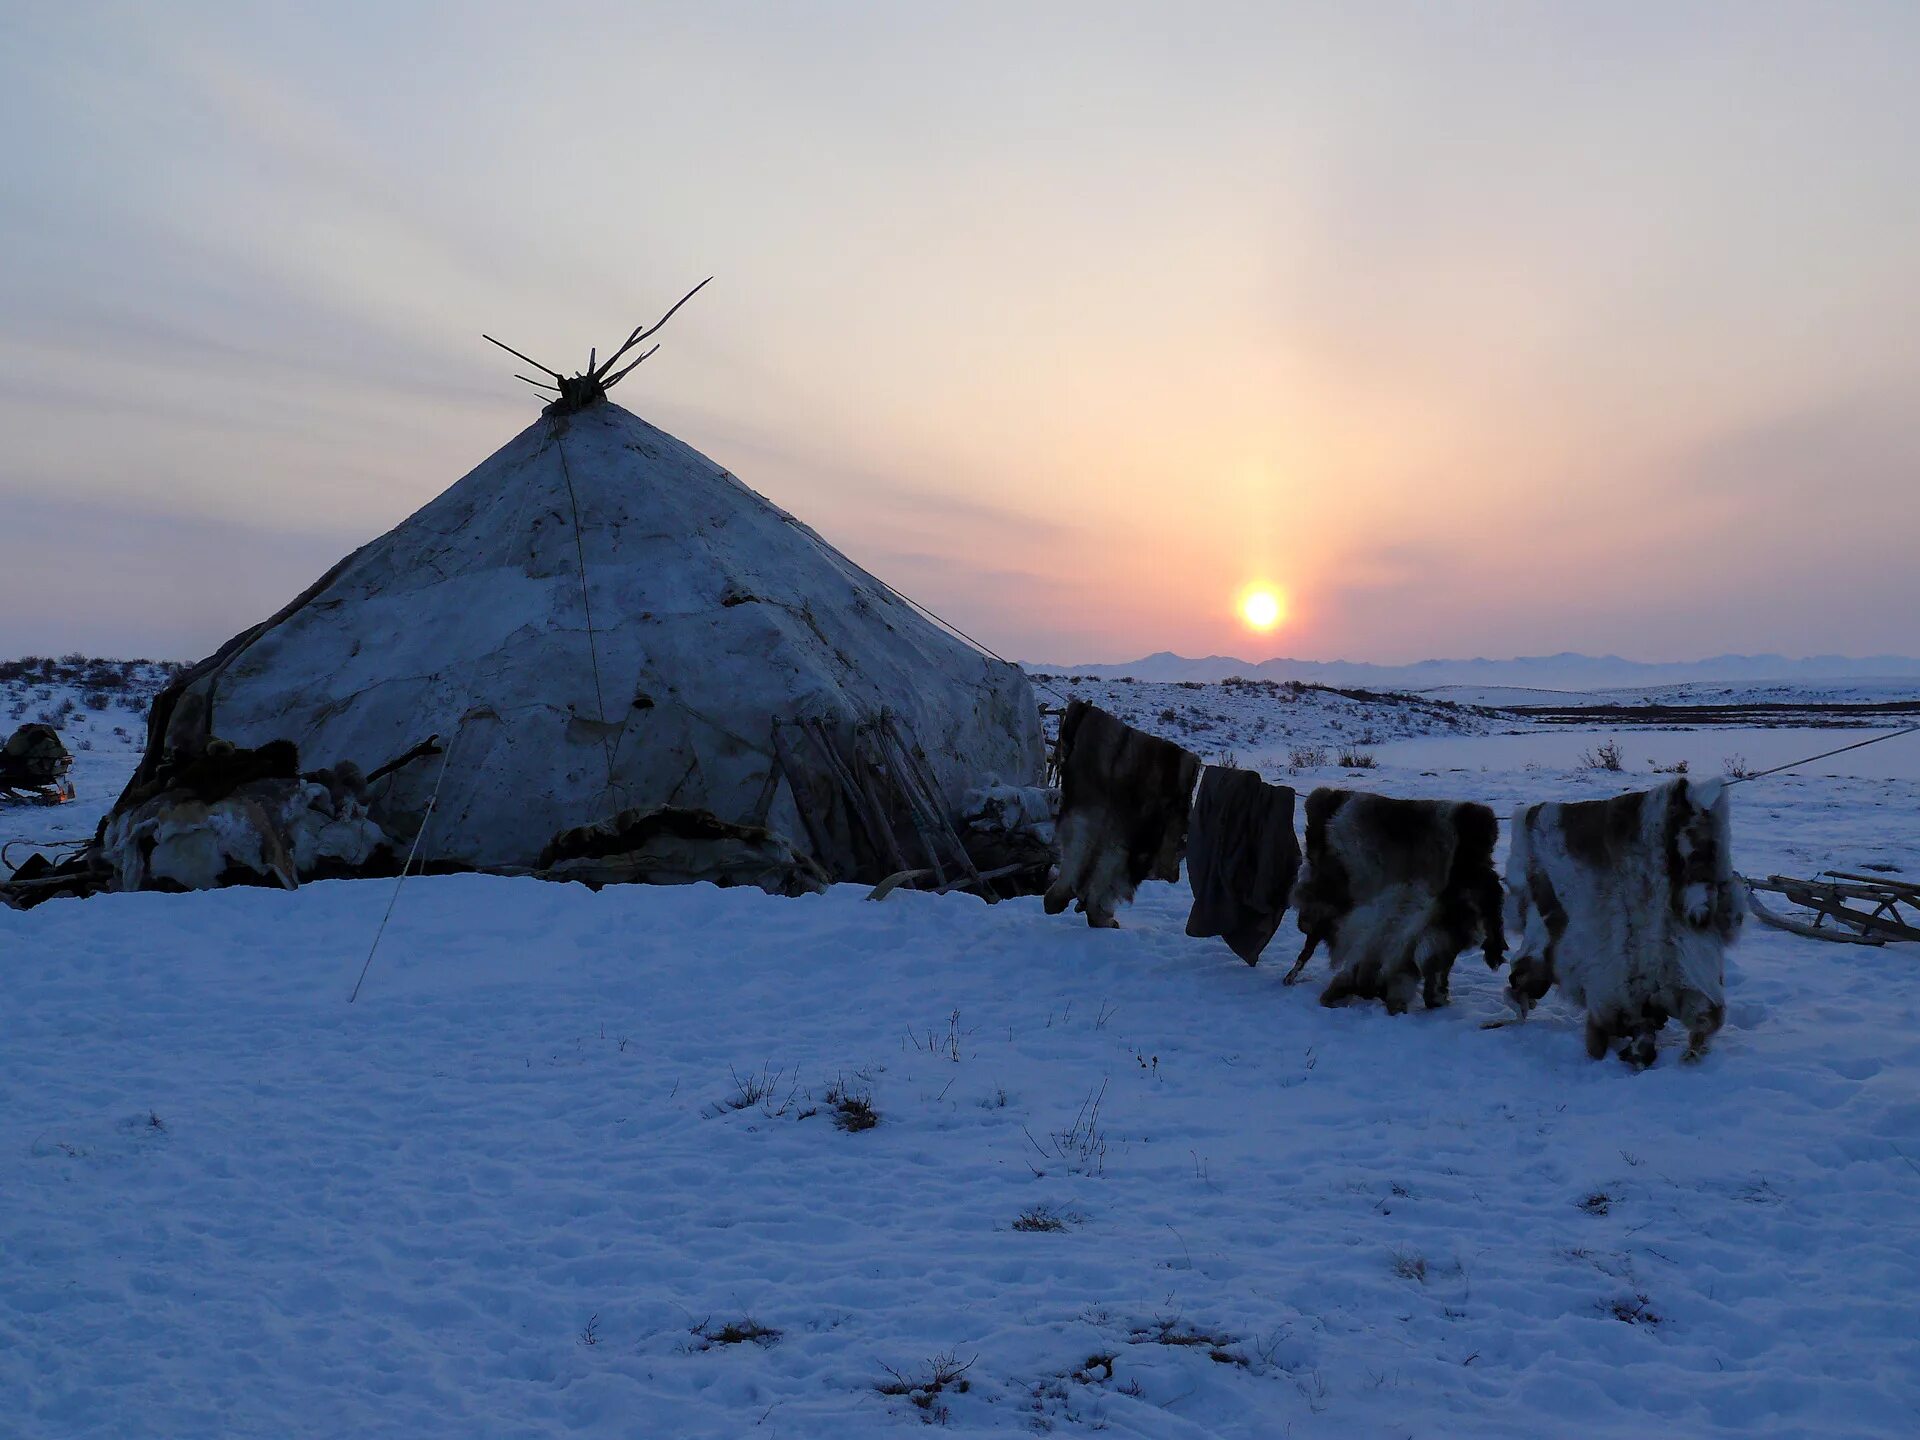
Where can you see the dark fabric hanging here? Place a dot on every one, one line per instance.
(1241, 859)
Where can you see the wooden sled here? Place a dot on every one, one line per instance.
(1849, 908)
(61, 792)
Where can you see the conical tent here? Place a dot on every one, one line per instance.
(598, 620)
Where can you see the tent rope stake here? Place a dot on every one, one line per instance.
(433, 801)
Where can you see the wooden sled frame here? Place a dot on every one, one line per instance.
(59, 792)
(1835, 899)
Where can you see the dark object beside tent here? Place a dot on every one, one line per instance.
(33, 766)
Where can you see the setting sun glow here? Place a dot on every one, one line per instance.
(1261, 607)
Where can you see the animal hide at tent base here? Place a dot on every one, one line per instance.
(668, 846)
(231, 816)
(1008, 832)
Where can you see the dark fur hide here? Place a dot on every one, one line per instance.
(1627, 904)
(1241, 859)
(670, 845)
(1397, 889)
(1125, 797)
(214, 772)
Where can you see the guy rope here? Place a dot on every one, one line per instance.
(1825, 754)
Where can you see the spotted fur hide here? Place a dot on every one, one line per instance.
(1628, 905)
(265, 832)
(1125, 797)
(1397, 889)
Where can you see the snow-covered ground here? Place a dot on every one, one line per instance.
(100, 709)
(1302, 732)
(1705, 750)
(1828, 692)
(514, 1190)
(1568, 671)
(1262, 722)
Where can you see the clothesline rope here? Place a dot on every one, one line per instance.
(982, 647)
(1825, 754)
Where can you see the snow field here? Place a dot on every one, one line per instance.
(501, 1193)
(509, 1192)
(1262, 723)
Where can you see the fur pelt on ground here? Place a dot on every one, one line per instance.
(1628, 905)
(997, 809)
(668, 845)
(1125, 797)
(233, 816)
(1010, 829)
(1241, 859)
(1397, 889)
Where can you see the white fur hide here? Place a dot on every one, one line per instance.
(997, 809)
(279, 830)
(1625, 951)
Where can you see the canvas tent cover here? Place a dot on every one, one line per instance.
(717, 619)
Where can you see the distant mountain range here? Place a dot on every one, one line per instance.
(1567, 671)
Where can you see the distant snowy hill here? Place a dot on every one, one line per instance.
(1567, 671)
(1268, 725)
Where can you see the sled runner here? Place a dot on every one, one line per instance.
(1855, 909)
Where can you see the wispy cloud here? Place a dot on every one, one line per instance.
(1078, 333)
(159, 582)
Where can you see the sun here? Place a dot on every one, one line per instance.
(1261, 607)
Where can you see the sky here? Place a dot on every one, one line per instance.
(1471, 329)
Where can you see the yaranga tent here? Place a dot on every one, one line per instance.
(599, 622)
